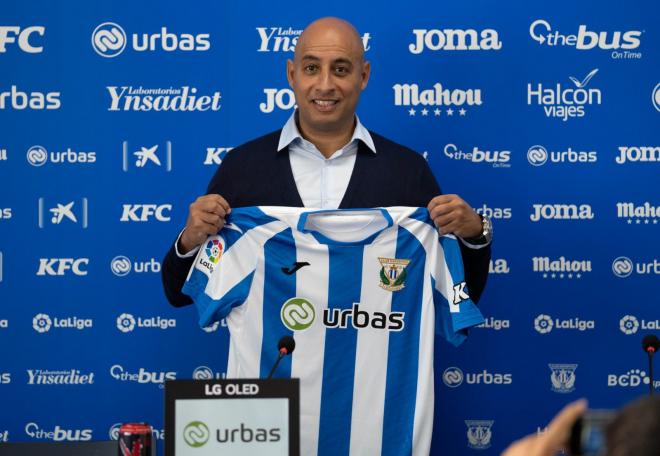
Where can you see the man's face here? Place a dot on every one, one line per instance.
(327, 76)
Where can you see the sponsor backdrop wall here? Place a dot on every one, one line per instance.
(115, 116)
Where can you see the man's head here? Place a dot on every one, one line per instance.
(327, 74)
(636, 429)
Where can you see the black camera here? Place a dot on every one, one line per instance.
(588, 433)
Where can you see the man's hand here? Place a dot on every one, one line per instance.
(554, 439)
(206, 217)
(453, 215)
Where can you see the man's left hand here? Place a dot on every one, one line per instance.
(453, 215)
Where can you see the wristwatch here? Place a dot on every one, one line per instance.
(486, 233)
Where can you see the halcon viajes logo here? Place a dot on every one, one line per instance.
(565, 102)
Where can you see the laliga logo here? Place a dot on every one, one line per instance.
(41, 323)
(37, 155)
(297, 314)
(108, 39)
(126, 322)
(196, 434)
(452, 377)
(537, 155)
(543, 324)
(622, 267)
(120, 266)
(629, 325)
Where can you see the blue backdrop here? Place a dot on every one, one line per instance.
(114, 117)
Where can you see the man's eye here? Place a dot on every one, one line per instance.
(341, 70)
(310, 68)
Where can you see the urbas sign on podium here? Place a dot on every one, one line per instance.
(233, 417)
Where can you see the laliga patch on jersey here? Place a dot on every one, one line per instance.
(210, 255)
(393, 273)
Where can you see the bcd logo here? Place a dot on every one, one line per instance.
(9, 34)
(59, 266)
(143, 212)
(280, 98)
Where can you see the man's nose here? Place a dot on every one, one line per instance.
(325, 81)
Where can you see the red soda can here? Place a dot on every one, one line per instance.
(135, 439)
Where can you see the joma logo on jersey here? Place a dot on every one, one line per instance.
(8, 34)
(454, 40)
(393, 273)
(280, 98)
(144, 212)
(60, 266)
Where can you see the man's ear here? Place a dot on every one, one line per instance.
(289, 72)
(366, 72)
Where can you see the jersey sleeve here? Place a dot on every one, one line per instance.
(455, 312)
(221, 275)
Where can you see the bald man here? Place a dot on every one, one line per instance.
(325, 158)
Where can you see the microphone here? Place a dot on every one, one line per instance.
(650, 344)
(286, 345)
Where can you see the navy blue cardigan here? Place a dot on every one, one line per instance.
(256, 174)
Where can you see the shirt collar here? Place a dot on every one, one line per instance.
(291, 133)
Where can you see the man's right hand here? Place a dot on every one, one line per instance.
(206, 217)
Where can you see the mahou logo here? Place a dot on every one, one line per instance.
(638, 213)
(454, 40)
(432, 99)
(619, 42)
